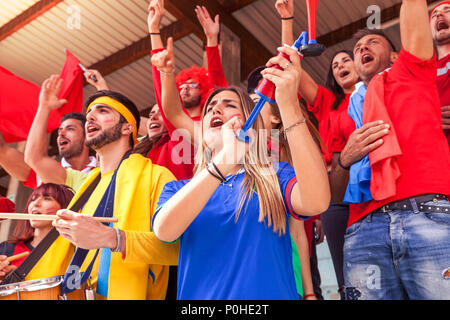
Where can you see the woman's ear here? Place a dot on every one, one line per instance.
(275, 120)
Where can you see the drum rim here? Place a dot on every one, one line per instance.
(30, 285)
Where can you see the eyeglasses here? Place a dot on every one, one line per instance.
(192, 85)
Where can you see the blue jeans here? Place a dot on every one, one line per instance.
(399, 255)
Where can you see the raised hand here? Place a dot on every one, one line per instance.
(233, 150)
(101, 82)
(48, 97)
(286, 80)
(210, 27)
(285, 8)
(164, 60)
(155, 14)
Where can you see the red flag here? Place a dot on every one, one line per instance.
(18, 103)
(19, 100)
(72, 91)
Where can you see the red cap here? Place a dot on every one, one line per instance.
(438, 5)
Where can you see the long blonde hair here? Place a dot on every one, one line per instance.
(260, 175)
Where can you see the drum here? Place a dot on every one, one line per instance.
(41, 289)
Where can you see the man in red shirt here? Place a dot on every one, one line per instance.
(397, 247)
(440, 29)
(74, 154)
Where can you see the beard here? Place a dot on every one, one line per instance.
(442, 40)
(72, 152)
(193, 102)
(105, 137)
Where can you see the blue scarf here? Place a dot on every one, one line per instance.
(358, 188)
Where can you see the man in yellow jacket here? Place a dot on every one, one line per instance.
(131, 263)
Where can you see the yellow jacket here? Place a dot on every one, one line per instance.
(138, 186)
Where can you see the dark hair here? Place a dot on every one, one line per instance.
(366, 31)
(331, 83)
(75, 115)
(123, 100)
(61, 193)
(254, 78)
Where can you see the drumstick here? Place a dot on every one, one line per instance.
(17, 256)
(44, 217)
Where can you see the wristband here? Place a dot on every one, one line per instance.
(119, 241)
(214, 175)
(341, 165)
(155, 33)
(288, 18)
(218, 171)
(309, 295)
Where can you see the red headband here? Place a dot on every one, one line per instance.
(438, 5)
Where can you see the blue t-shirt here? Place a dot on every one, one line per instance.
(224, 259)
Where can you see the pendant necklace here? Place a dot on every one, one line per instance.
(229, 182)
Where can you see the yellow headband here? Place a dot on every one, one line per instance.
(120, 108)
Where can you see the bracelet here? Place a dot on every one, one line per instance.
(341, 165)
(288, 18)
(119, 241)
(214, 175)
(155, 33)
(309, 295)
(165, 72)
(294, 125)
(218, 171)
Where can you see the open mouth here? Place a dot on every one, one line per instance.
(91, 128)
(441, 25)
(344, 73)
(366, 58)
(216, 122)
(63, 142)
(154, 126)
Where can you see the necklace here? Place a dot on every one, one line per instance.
(229, 182)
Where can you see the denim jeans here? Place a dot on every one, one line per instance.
(399, 255)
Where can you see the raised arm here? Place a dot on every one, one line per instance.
(36, 155)
(285, 9)
(12, 160)
(211, 28)
(311, 194)
(155, 13)
(170, 99)
(101, 82)
(307, 87)
(415, 29)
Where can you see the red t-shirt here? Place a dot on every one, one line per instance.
(328, 118)
(343, 127)
(12, 249)
(412, 102)
(443, 84)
